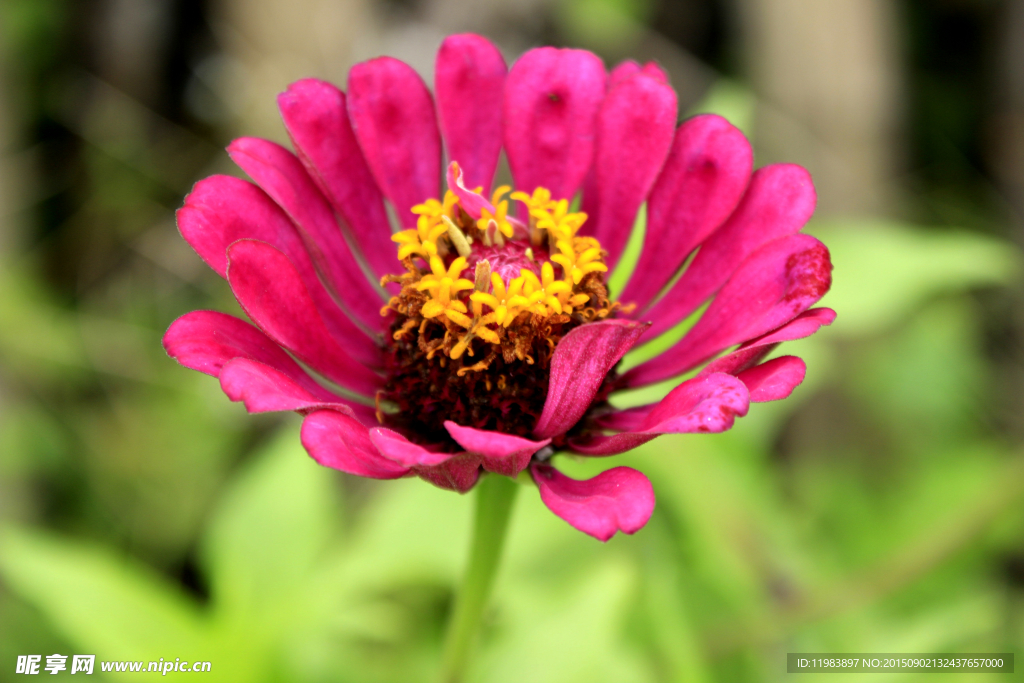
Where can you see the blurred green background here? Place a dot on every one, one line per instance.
(881, 508)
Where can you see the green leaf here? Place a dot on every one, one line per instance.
(711, 488)
(102, 603)
(672, 633)
(410, 531)
(884, 270)
(156, 478)
(929, 375)
(566, 634)
(272, 527)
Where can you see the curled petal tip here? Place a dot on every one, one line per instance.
(472, 202)
(619, 499)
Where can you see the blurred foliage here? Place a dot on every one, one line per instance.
(142, 515)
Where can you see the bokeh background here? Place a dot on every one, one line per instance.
(881, 508)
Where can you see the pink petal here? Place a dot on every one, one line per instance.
(579, 366)
(699, 187)
(281, 175)
(263, 389)
(775, 379)
(778, 202)
(394, 446)
(804, 325)
(698, 405)
(453, 471)
(619, 499)
(316, 117)
(773, 286)
(270, 291)
(341, 442)
(393, 115)
(751, 352)
(469, 77)
(222, 209)
(501, 453)
(635, 127)
(458, 473)
(654, 69)
(472, 202)
(551, 102)
(623, 71)
(207, 340)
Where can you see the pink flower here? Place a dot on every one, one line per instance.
(491, 340)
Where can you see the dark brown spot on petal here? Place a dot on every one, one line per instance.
(809, 274)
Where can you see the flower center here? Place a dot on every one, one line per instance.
(483, 303)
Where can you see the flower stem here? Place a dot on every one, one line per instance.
(494, 497)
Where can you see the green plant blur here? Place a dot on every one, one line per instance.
(142, 515)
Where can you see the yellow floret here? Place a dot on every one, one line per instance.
(500, 300)
(430, 227)
(538, 203)
(442, 284)
(500, 215)
(578, 257)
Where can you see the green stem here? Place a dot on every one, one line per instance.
(494, 497)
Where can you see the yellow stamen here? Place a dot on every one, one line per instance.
(500, 215)
(482, 308)
(457, 237)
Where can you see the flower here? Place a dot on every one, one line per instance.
(481, 336)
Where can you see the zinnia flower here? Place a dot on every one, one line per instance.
(481, 336)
